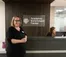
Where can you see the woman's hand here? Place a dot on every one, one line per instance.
(24, 39)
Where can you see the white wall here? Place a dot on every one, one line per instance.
(2, 23)
(52, 15)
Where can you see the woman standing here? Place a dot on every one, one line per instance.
(16, 39)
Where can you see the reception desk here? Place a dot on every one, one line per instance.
(46, 43)
(44, 47)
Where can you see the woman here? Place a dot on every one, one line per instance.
(52, 32)
(16, 39)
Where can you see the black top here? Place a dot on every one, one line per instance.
(49, 34)
(15, 34)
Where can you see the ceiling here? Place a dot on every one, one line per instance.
(30, 1)
(59, 3)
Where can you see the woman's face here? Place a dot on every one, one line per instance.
(54, 31)
(17, 22)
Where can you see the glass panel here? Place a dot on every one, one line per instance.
(60, 19)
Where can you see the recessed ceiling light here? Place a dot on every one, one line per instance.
(59, 10)
(64, 8)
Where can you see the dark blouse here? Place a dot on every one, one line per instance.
(15, 34)
(49, 35)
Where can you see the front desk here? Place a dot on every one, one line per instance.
(46, 43)
(44, 47)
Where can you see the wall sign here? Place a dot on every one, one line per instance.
(34, 20)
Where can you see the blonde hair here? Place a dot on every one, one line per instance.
(12, 21)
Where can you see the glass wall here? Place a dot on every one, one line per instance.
(60, 19)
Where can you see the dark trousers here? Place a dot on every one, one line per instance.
(15, 54)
